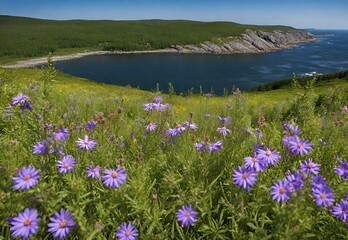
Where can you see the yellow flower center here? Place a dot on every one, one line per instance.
(245, 175)
(309, 165)
(254, 160)
(299, 145)
(128, 233)
(282, 190)
(268, 153)
(26, 177)
(66, 165)
(187, 214)
(323, 195)
(27, 222)
(114, 174)
(63, 223)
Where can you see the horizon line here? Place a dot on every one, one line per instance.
(161, 19)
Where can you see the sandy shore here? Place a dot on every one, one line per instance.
(37, 61)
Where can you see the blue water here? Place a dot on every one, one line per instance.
(211, 71)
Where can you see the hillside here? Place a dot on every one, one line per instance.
(27, 37)
(109, 155)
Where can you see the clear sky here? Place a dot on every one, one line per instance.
(297, 13)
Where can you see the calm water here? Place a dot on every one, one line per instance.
(185, 71)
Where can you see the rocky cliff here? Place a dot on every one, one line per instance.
(250, 42)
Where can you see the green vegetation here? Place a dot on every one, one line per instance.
(164, 173)
(27, 37)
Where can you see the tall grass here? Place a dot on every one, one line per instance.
(165, 173)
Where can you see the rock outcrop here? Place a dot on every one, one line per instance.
(250, 42)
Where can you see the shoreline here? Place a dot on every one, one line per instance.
(43, 60)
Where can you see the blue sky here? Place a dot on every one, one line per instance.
(298, 13)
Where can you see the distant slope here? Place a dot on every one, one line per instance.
(29, 37)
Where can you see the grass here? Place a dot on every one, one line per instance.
(165, 173)
(27, 37)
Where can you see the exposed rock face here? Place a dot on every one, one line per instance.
(251, 42)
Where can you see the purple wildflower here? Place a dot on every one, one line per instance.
(269, 157)
(127, 232)
(191, 125)
(207, 115)
(340, 210)
(294, 130)
(157, 99)
(310, 167)
(224, 121)
(342, 170)
(224, 131)
(200, 146)
(61, 223)
(151, 127)
(281, 191)
(91, 125)
(66, 164)
(25, 224)
(245, 177)
(86, 144)
(318, 182)
(187, 216)
(114, 178)
(40, 148)
(323, 196)
(61, 135)
(254, 163)
(19, 99)
(296, 180)
(27, 178)
(215, 146)
(298, 146)
(286, 140)
(93, 171)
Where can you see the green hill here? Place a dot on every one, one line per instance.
(28, 37)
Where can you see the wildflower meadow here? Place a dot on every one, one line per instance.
(81, 163)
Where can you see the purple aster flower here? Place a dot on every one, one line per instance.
(66, 164)
(310, 167)
(86, 144)
(254, 163)
(27, 178)
(157, 99)
(200, 146)
(151, 127)
(93, 171)
(149, 106)
(224, 131)
(26, 105)
(294, 130)
(224, 121)
(245, 177)
(19, 99)
(61, 135)
(318, 182)
(323, 196)
(187, 216)
(298, 146)
(40, 148)
(91, 125)
(114, 178)
(342, 170)
(281, 191)
(61, 223)
(296, 180)
(171, 132)
(286, 140)
(191, 125)
(215, 146)
(161, 107)
(207, 115)
(269, 157)
(340, 210)
(127, 232)
(25, 224)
